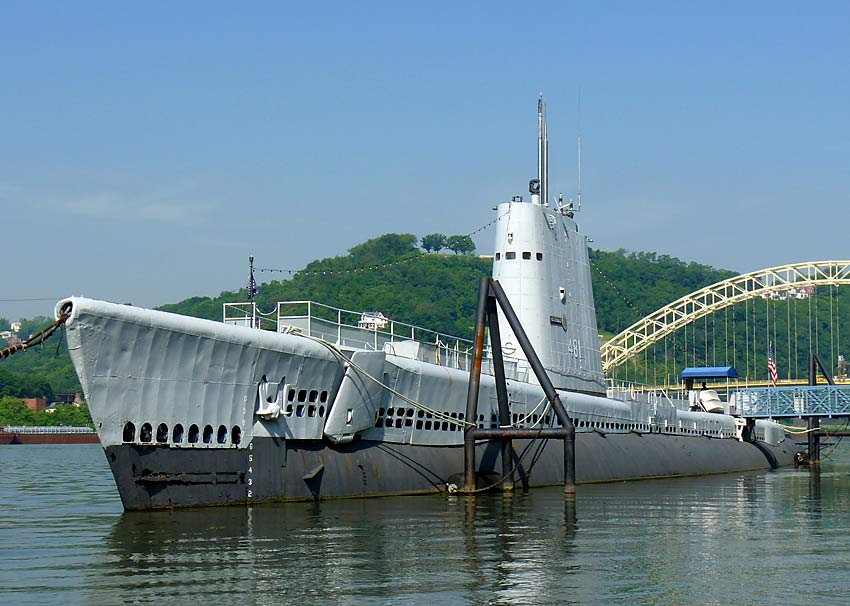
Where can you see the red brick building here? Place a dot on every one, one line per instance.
(35, 404)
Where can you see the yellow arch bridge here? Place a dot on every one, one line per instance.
(784, 281)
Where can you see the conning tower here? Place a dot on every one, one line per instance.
(541, 260)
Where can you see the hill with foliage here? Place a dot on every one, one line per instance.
(628, 286)
(438, 291)
(389, 274)
(393, 275)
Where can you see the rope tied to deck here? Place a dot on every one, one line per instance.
(36, 339)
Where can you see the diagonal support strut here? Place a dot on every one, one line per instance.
(491, 294)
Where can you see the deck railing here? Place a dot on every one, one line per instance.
(357, 330)
(627, 391)
(53, 429)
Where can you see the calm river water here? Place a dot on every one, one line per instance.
(756, 538)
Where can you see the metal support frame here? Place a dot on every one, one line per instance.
(816, 364)
(501, 392)
(490, 293)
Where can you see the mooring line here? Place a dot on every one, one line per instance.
(37, 339)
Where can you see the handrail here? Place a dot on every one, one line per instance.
(45, 429)
(362, 330)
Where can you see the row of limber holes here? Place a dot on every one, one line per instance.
(146, 435)
(304, 396)
(311, 397)
(582, 424)
(220, 437)
(404, 417)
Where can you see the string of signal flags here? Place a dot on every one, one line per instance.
(302, 272)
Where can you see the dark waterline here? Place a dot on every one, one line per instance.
(766, 537)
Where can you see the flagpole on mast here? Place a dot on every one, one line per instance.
(252, 291)
(252, 285)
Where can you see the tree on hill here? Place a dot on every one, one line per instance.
(37, 368)
(14, 412)
(24, 385)
(460, 245)
(66, 414)
(384, 248)
(434, 242)
(630, 285)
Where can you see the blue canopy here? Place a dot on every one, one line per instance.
(710, 372)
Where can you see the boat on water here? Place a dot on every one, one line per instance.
(56, 434)
(316, 402)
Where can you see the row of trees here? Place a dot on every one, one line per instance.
(14, 412)
(41, 371)
(25, 385)
(460, 245)
(389, 273)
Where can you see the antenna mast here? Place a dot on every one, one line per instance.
(545, 184)
(579, 148)
(579, 172)
(540, 160)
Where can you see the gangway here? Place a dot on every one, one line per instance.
(798, 401)
(812, 402)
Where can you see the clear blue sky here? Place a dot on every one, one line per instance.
(147, 149)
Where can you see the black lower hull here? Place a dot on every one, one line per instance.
(157, 477)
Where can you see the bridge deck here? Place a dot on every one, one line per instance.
(794, 401)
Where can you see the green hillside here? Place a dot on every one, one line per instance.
(389, 274)
(438, 291)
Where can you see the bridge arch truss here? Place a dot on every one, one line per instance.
(771, 282)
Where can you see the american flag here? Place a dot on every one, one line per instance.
(771, 368)
(252, 287)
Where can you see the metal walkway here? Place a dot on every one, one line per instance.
(794, 401)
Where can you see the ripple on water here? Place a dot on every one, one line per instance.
(707, 540)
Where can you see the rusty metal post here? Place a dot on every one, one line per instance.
(814, 422)
(545, 383)
(814, 440)
(501, 392)
(569, 457)
(474, 385)
(816, 364)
